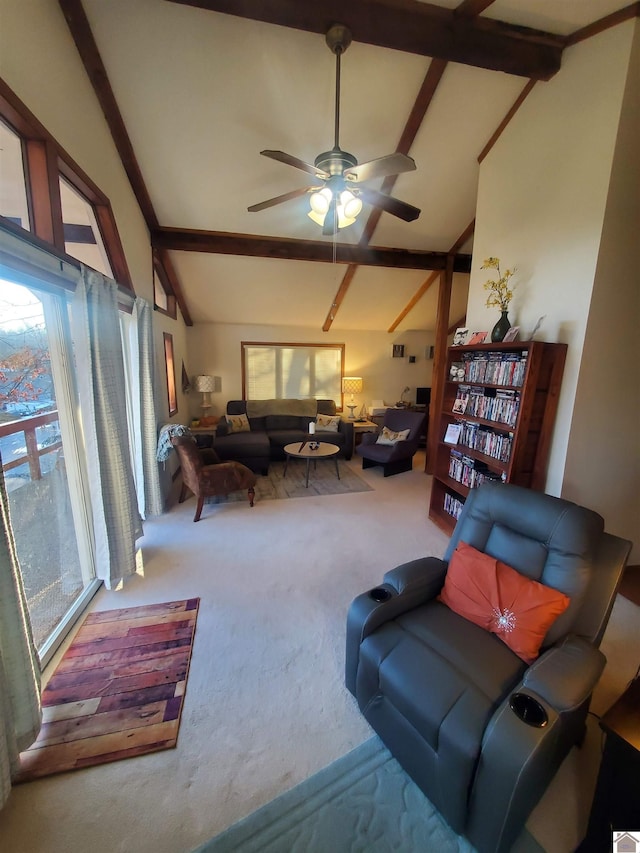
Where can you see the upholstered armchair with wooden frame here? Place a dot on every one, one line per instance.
(477, 669)
(206, 476)
(398, 457)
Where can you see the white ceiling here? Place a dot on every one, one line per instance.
(202, 93)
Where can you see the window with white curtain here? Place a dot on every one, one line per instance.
(292, 371)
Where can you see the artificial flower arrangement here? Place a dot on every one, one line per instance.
(500, 294)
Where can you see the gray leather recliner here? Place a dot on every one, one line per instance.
(481, 732)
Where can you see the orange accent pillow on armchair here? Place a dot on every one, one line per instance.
(499, 599)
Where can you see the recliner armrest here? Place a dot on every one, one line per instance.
(566, 674)
(406, 586)
(424, 576)
(518, 759)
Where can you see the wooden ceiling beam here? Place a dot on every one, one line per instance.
(82, 35)
(471, 8)
(412, 27)
(282, 248)
(417, 296)
(340, 295)
(80, 30)
(420, 292)
(612, 20)
(419, 110)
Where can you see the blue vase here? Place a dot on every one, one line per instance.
(501, 328)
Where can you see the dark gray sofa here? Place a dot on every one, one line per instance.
(270, 434)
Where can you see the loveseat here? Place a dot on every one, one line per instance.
(271, 425)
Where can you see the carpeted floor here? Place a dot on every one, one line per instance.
(362, 802)
(266, 706)
(117, 692)
(322, 481)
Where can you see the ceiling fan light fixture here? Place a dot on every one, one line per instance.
(350, 204)
(320, 201)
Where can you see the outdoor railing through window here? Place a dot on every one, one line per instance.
(41, 437)
(36, 482)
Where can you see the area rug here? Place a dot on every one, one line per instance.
(118, 690)
(322, 481)
(362, 803)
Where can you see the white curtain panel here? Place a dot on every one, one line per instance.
(101, 385)
(152, 493)
(20, 712)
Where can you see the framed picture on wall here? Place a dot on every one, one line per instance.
(398, 351)
(172, 396)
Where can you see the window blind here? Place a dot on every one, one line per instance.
(295, 371)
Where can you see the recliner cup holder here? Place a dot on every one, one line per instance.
(528, 709)
(379, 594)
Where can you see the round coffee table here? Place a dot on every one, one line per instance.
(303, 450)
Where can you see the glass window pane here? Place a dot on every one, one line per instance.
(13, 186)
(82, 238)
(38, 456)
(293, 371)
(159, 295)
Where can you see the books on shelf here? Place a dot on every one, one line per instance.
(492, 368)
(461, 401)
(452, 435)
(486, 440)
(452, 505)
(468, 471)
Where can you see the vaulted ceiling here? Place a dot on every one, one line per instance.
(193, 90)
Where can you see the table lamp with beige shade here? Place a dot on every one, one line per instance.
(351, 385)
(206, 385)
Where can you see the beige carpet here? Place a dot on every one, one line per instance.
(266, 705)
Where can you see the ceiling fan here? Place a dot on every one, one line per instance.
(337, 200)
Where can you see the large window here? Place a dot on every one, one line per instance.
(44, 192)
(292, 371)
(41, 450)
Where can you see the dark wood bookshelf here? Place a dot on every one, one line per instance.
(531, 433)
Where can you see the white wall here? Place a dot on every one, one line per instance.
(603, 458)
(215, 349)
(543, 191)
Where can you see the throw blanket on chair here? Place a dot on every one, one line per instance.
(299, 408)
(164, 440)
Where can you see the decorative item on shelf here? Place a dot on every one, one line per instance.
(206, 385)
(500, 295)
(460, 337)
(402, 403)
(351, 385)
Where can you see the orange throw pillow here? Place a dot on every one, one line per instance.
(499, 599)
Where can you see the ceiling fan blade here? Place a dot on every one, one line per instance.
(271, 202)
(392, 164)
(290, 160)
(392, 205)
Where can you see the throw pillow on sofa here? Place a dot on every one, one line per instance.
(327, 423)
(238, 423)
(388, 436)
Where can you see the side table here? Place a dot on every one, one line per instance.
(616, 802)
(360, 427)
